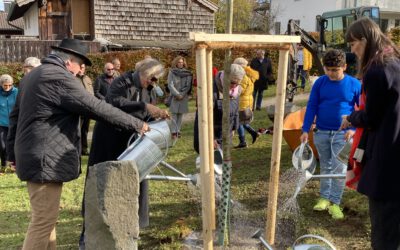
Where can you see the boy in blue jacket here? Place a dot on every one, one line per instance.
(333, 95)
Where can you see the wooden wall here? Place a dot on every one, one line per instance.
(19, 50)
(151, 19)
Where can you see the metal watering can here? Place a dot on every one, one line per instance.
(303, 160)
(146, 150)
(328, 245)
(218, 160)
(160, 133)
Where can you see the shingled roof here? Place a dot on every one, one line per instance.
(152, 19)
(16, 25)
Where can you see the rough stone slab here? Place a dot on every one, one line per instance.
(111, 206)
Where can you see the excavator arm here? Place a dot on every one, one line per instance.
(309, 43)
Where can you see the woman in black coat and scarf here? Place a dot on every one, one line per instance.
(131, 92)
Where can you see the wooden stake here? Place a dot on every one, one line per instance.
(276, 147)
(210, 105)
(201, 72)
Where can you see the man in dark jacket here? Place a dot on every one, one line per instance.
(44, 137)
(264, 67)
(104, 81)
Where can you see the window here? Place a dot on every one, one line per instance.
(397, 23)
(336, 30)
(384, 25)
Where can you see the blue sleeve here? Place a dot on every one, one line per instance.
(312, 106)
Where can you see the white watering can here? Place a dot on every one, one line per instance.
(303, 160)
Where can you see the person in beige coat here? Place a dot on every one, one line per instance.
(179, 84)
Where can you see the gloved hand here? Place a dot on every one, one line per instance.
(156, 112)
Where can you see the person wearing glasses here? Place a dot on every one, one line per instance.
(179, 85)
(8, 96)
(102, 83)
(44, 136)
(131, 92)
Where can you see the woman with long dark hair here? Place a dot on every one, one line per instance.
(379, 69)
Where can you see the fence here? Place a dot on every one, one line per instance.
(17, 50)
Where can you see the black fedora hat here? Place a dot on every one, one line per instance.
(75, 47)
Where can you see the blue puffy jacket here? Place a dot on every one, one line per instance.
(7, 102)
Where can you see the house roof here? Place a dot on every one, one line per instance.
(208, 4)
(18, 9)
(16, 25)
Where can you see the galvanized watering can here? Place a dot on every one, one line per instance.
(146, 150)
(303, 160)
(327, 245)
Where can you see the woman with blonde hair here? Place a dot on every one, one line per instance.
(131, 93)
(246, 102)
(179, 85)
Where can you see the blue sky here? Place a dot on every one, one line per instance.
(1, 5)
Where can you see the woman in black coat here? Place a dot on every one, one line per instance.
(131, 92)
(379, 68)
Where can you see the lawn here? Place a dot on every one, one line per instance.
(175, 208)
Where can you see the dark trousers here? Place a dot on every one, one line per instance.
(3, 140)
(257, 96)
(85, 122)
(385, 224)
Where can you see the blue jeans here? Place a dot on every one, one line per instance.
(257, 96)
(329, 144)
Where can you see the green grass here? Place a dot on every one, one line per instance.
(175, 210)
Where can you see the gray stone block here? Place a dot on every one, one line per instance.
(111, 206)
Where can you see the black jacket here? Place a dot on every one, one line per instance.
(126, 94)
(264, 69)
(381, 117)
(100, 87)
(44, 125)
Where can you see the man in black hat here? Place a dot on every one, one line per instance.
(44, 137)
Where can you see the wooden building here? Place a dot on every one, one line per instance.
(115, 20)
(7, 29)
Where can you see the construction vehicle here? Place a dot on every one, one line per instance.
(332, 30)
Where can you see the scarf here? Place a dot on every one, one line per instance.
(181, 72)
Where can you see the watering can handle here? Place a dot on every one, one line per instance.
(300, 160)
(315, 237)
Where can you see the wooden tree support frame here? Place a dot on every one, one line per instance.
(204, 44)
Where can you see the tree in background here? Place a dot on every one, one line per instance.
(243, 11)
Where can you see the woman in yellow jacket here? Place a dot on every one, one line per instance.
(246, 102)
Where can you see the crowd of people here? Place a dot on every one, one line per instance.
(55, 101)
